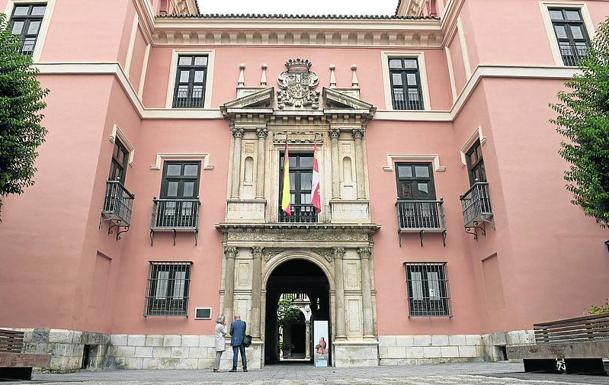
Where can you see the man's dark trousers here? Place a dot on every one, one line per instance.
(236, 351)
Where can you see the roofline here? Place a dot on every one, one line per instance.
(295, 16)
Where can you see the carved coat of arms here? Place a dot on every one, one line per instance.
(297, 86)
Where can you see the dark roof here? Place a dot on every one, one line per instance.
(291, 16)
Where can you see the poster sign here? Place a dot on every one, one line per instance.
(321, 343)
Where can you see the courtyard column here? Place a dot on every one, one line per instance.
(365, 253)
(262, 134)
(256, 291)
(230, 252)
(236, 174)
(308, 340)
(358, 135)
(334, 133)
(339, 254)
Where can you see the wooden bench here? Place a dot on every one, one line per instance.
(13, 363)
(576, 345)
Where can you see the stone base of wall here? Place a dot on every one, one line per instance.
(427, 349)
(350, 354)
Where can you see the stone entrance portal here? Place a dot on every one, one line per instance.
(296, 278)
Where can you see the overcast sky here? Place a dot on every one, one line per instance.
(317, 7)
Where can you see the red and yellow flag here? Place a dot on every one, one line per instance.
(316, 197)
(286, 197)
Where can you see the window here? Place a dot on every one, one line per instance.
(428, 294)
(417, 206)
(120, 159)
(25, 22)
(178, 206)
(571, 34)
(475, 164)
(168, 284)
(301, 180)
(190, 81)
(406, 92)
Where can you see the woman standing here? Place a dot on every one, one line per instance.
(220, 343)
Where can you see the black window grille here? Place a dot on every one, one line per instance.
(191, 77)
(301, 179)
(417, 206)
(26, 21)
(428, 290)
(168, 284)
(120, 159)
(406, 91)
(571, 34)
(475, 164)
(178, 206)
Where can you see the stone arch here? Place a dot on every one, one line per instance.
(288, 255)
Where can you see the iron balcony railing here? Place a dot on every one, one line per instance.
(300, 214)
(572, 53)
(185, 100)
(413, 103)
(175, 214)
(118, 203)
(420, 215)
(476, 204)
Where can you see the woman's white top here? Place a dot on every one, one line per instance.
(220, 343)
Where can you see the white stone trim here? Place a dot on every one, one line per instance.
(545, 13)
(120, 134)
(476, 135)
(160, 157)
(140, 91)
(451, 73)
(44, 26)
(420, 56)
(132, 37)
(464, 49)
(395, 158)
(174, 68)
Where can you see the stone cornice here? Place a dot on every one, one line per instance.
(370, 228)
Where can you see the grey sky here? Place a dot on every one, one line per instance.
(316, 7)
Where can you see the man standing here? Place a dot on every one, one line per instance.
(237, 332)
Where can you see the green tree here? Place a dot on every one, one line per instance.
(583, 118)
(286, 312)
(21, 100)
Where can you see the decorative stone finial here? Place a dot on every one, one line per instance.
(354, 81)
(332, 77)
(263, 76)
(241, 81)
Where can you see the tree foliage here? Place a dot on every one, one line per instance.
(21, 100)
(583, 118)
(286, 312)
(602, 309)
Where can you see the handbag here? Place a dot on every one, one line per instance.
(247, 340)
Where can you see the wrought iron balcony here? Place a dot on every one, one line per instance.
(414, 104)
(420, 216)
(183, 100)
(118, 204)
(175, 215)
(300, 214)
(476, 204)
(572, 53)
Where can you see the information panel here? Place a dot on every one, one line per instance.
(321, 343)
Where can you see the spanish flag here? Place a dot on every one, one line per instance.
(286, 197)
(316, 197)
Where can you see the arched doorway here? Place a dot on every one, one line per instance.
(298, 279)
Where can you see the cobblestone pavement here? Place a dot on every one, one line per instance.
(446, 374)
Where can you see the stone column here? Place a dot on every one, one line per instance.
(364, 254)
(334, 133)
(308, 340)
(358, 135)
(339, 254)
(230, 253)
(236, 174)
(262, 134)
(256, 291)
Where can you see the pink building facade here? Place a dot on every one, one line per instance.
(445, 232)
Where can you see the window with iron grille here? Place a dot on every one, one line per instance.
(406, 91)
(168, 284)
(120, 159)
(571, 34)
(190, 81)
(26, 21)
(475, 164)
(428, 291)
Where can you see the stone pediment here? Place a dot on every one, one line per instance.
(334, 99)
(258, 100)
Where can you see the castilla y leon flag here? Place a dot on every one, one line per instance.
(286, 201)
(316, 197)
